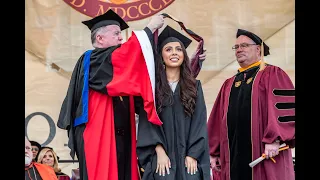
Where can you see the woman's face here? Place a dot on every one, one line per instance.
(172, 54)
(48, 159)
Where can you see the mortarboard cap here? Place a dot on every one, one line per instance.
(108, 18)
(34, 143)
(171, 35)
(255, 38)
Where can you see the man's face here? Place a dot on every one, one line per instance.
(28, 153)
(111, 37)
(35, 151)
(247, 52)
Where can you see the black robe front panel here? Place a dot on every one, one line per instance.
(180, 136)
(239, 125)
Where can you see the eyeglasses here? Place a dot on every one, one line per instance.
(242, 45)
(34, 149)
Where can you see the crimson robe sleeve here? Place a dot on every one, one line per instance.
(127, 70)
(134, 72)
(214, 122)
(196, 63)
(280, 107)
(130, 71)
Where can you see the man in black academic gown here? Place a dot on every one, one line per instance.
(98, 110)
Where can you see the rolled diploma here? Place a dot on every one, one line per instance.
(255, 162)
(261, 158)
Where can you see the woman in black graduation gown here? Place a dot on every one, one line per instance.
(177, 150)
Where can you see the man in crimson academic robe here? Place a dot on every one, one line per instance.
(98, 110)
(253, 114)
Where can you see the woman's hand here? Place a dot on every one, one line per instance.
(163, 163)
(191, 165)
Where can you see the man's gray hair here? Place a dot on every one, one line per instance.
(97, 31)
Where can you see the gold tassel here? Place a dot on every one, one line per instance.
(120, 98)
(262, 63)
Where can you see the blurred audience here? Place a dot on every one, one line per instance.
(34, 170)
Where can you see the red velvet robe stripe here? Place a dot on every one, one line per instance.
(130, 77)
(266, 127)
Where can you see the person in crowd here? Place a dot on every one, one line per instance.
(34, 170)
(35, 149)
(49, 157)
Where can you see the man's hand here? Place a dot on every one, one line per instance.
(155, 23)
(215, 163)
(191, 165)
(271, 150)
(202, 56)
(163, 161)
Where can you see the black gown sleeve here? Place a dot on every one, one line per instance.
(150, 35)
(70, 107)
(198, 129)
(197, 145)
(149, 136)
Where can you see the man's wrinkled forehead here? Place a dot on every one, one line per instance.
(113, 28)
(27, 142)
(244, 39)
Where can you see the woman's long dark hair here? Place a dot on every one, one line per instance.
(187, 82)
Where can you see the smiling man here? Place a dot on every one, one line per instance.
(253, 114)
